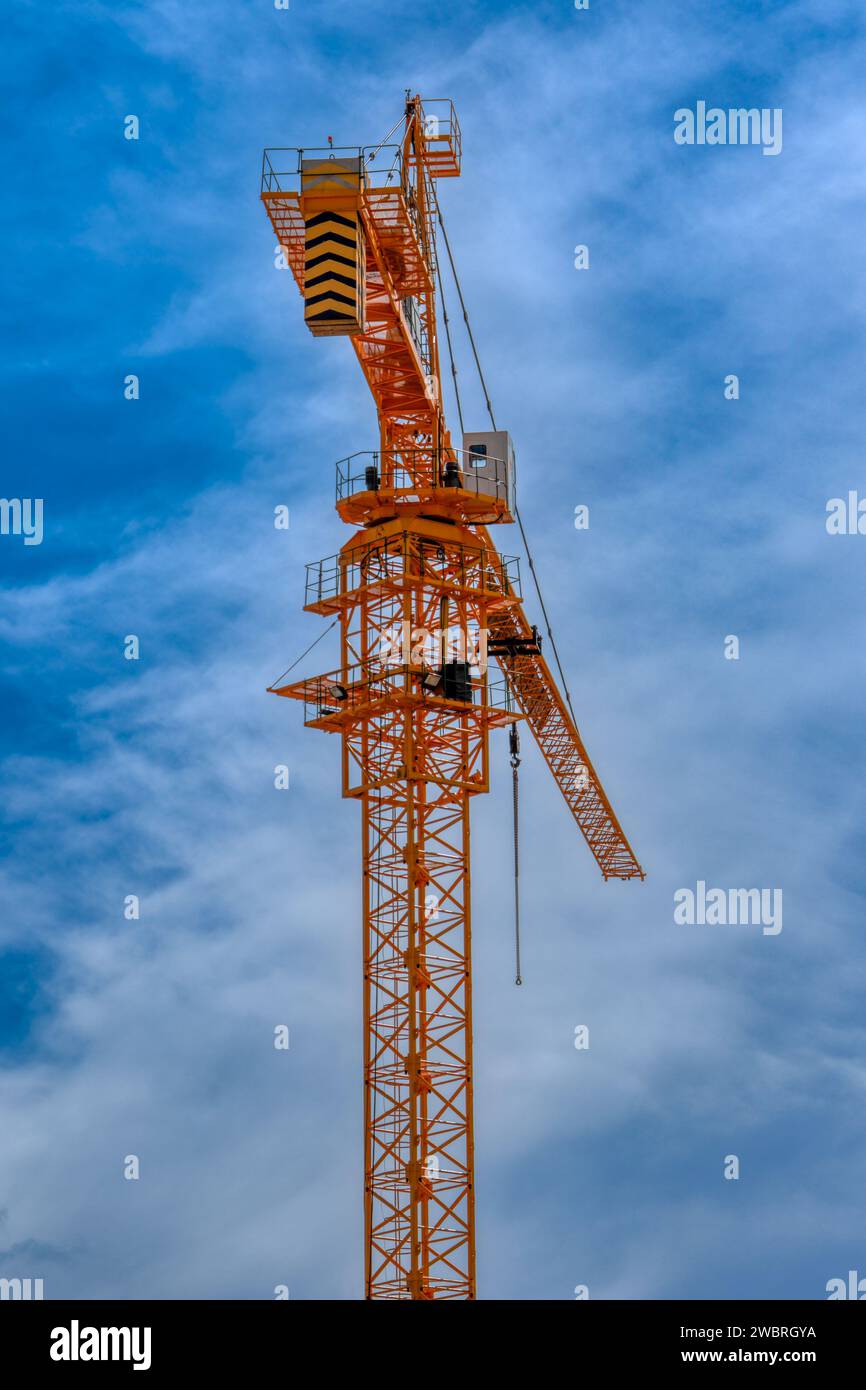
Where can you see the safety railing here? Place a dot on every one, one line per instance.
(409, 469)
(444, 146)
(343, 692)
(380, 166)
(485, 572)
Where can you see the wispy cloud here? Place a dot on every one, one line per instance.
(156, 778)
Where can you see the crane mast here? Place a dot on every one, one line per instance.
(420, 592)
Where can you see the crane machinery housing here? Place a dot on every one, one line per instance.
(423, 598)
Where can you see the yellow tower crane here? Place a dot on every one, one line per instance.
(423, 598)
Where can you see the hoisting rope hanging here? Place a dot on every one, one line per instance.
(514, 746)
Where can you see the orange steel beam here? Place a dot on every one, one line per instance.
(419, 590)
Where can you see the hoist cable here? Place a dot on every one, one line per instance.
(447, 323)
(303, 654)
(514, 741)
(382, 143)
(459, 289)
(566, 691)
(532, 570)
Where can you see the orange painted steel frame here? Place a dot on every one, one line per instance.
(413, 755)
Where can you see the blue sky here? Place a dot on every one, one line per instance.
(707, 518)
